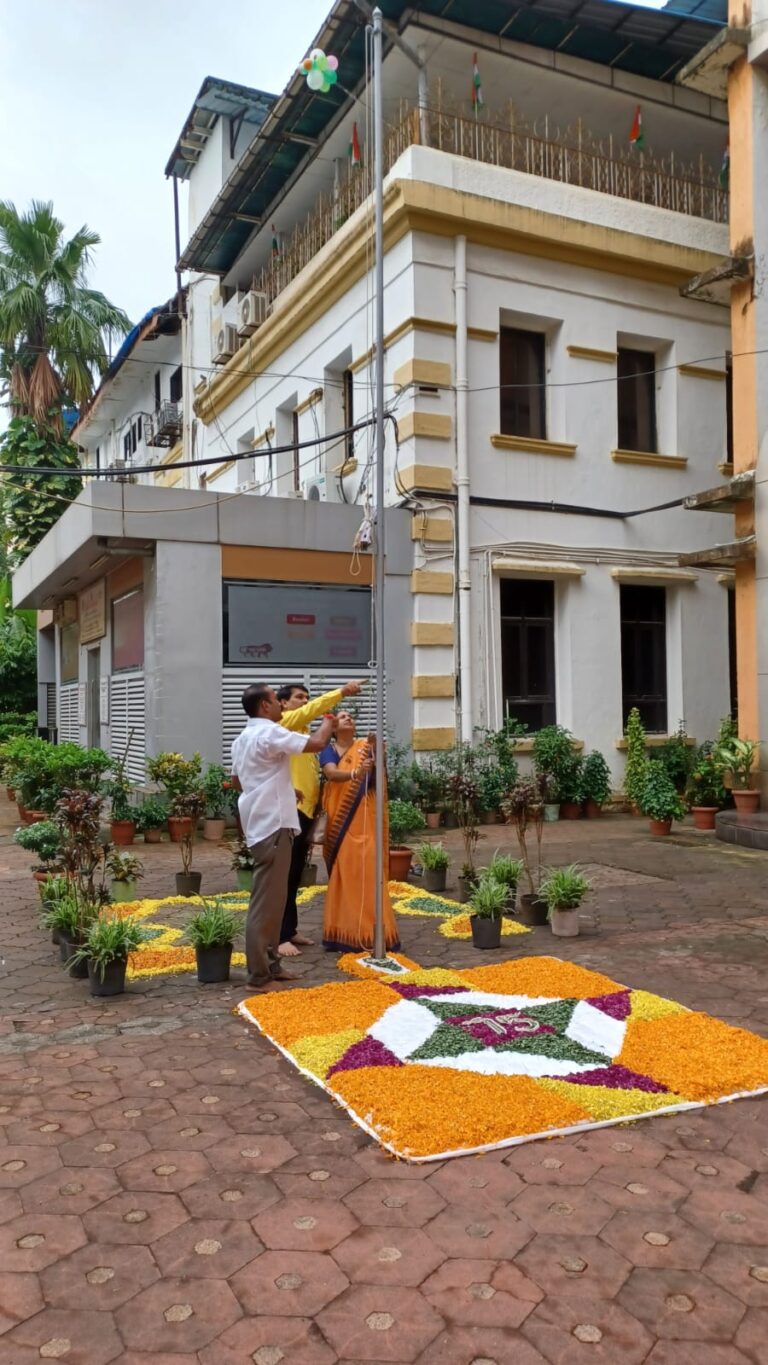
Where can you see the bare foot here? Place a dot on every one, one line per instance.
(262, 989)
(288, 950)
(285, 976)
(302, 941)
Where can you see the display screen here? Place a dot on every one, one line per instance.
(295, 623)
(128, 631)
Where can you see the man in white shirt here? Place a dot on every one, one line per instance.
(268, 814)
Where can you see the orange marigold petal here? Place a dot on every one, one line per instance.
(700, 1057)
(542, 976)
(321, 1009)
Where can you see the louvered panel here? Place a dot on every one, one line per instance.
(317, 681)
(50, 705)
(69, 729)
(126, 722)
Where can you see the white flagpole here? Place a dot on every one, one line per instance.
(379, 950)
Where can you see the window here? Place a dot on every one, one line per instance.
(522, 379)
(127, 445)
(296, 451)
(644, 655)
(348, 402)
(138, 428)
(69, 653)
(128, 631)
(176, 386)
(528, 651)
(636, 400)
(157, 390)
(281, 625)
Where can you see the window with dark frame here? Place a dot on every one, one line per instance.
(157, 390)
(296, 451)
(522, 376)
(528, 651)
(176, 386)
(138, 428)
(128, 631)
(644, 655)
(348, 406)
(636, 399)
(127, 446)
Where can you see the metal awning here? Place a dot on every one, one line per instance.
(645, 42)
(725, 497)
(214, 100)
(720, 556)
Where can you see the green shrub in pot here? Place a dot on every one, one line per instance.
(507, 871)
(150, 817)
(42, 839)
(595, 782)
(110, 940)
(212, 932)
(659, 799)
(563, 889)
(126, 871)
(487, 903)
(434, 863)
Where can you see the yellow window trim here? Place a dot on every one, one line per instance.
(541, 568)
(526, 445)
(701, 372)
(649, 458)
(590, 353)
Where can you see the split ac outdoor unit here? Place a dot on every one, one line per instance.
(253, 312)
(225, 343)
(122, 471)
(315, 489)
(246, 487)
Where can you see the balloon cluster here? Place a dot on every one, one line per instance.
(320, 70)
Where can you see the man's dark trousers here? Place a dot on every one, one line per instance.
(290, 924)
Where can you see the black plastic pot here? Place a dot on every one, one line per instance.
(531, 910)
(188, 883)
(486, 933)
(113, 982)
(213, 963)
(466, 886)
(68, 949)
(433, 878)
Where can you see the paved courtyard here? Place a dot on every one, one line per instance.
(171, 1190)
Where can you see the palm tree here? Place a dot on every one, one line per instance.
(53, 328)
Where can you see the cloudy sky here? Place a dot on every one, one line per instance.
(93, 96)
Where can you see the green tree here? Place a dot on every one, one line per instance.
(33, 503)
(53, 328)
(18, 655)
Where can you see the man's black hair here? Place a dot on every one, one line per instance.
(254, 696)
(285, 692)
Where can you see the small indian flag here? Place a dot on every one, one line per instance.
(477, 86)
(275, 243)
(636, 133)
(355, 157)
(725, 169)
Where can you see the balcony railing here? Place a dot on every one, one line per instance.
(164, 427)
(573, 157)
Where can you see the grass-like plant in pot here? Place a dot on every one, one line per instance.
(738, 758)
(487, 903)
(595, 784)
(44, 841)
(212, 932)
(524, 807)
(434, 863)
(658, 799)
(507, 871)
(404, 819)
(705, 792)
(563, 889)
(126, 872)
(150, 818)
(216, 789)
(69, 921)
(54, 889)
(242, 865)
(110, 940)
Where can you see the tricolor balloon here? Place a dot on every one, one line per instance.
(320, 70)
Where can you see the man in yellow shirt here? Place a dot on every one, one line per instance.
(298, 714)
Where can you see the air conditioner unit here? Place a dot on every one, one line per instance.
(246, 487)
(225, 343)
(122, 471)
(253, 312)
(315, 489)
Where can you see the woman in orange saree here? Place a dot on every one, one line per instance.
(349, 847)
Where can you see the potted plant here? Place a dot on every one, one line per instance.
(122, 826)
(595, 784)
(705, 791)
(150, 818)
(463, 795)
(404, 819)
(492, 791)
(215, 788)
(110, 940)
(69, 920)
(126, 871)
(181, 778)
(678, 756)
(738, 757)
(434, 863)
(44, 840)
(637, 759)
(242, 866)
(554, 757)
(212, 932)
(525, 809)
(659, 800)
(507, 871)
(190, 808)
(563, 889)
(53, 890)
(487, 902)
(430, 791)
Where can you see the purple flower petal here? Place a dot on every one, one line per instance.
(617, 1005)
(368, 1052)
(411, 991)
(616, 1078)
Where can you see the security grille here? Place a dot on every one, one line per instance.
(50, 705)
(69, 728)
(317, 681)
(126, 722)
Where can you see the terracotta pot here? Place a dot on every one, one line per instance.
(564, 923)
(592, 809)
(531, 910)
(40, 877)
(433, 878)
(178, 827)
(704, 816)
(21, 808)
(570, 810)
(489, 817)
(153, 836)
(35, 817)
(486, 933)
(10, 793)
(188, 883)
(213, 830)
(432, 818)
(213, 963)
(746, 802)
(122, 832)
(400, 863)
(659, 827)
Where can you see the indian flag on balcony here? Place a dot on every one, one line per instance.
(725, 169)
(275, 243)
(636, 132)
(355, 156)
(477, 86)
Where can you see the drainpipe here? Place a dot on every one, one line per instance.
(462, 489)
(423, 98)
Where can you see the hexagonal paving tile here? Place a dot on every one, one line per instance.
(49, 1128)
(643, 1190)
(231, 1196)
(395, 1203)
(378, 1164)
(627, 1146)
(165, 1170)
(727, 1216)
(73, 1190)
(256, 1155)
(697, 1170)
(568, 1266)
(137, 1115)
(475, 1234)
(289, 1283)
(10, 1206)
(304, 1225)
(469, 1293)
(681, 1304)
(208, 1248)
(380, 1323)
(689, 1353)
(177, 1315)
(753, 1333)
(388, 1256)
(551, 1163)
(567, 1210)
(103, 1147)
(36, 1240)
(324, 1177)
(21, 1165)
(74, 1098)
(99, 1277)
(497, 1346)
(216, 1101)
(266, 1341)
(151, 1084)
(132, 1217)
(327, 1134)
(189, 1132)
(657, 1239)
(20, 1298)
(573, 1331)
(478, 1181)
(79, 1337)
(742, 1270)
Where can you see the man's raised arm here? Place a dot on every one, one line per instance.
(304, 715)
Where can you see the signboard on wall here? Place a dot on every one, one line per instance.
(104, 701)
(92, 610)
(295, 623)
(82, 704)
